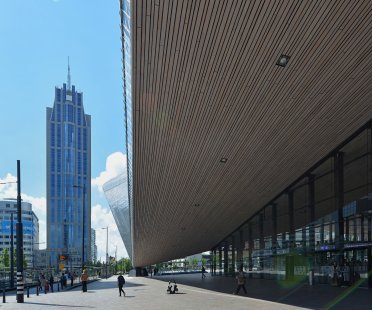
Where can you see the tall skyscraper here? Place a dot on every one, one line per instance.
(68, 178)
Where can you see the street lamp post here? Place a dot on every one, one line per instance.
(19, 232)
(11, 251)
(106, 248)
(83, 226)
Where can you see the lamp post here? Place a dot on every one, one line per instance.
(19, 232)
(11, 251)
(83, 226)
(106, 247)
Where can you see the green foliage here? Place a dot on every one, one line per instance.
(194, 262)
(204, 261)
(124, 264)
(5, 258)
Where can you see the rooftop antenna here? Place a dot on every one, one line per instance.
(68, 74)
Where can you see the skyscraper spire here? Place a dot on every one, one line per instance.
(68, 74)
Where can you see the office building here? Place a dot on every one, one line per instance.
(93, 246)
(30, 228)
(68, 177)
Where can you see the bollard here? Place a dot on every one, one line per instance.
(28, 292)
(37, 291)
(3, 296)
(58, 287)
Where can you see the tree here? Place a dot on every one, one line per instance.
(204, 261)
(124, 264)
(25, 265)
(194, 262)
(5, 257)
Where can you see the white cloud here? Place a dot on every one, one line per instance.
(38, 204)
(115, 165)
(102, 218)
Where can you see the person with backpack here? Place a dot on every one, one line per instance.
(121, 282)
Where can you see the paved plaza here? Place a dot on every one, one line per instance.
(194, 293)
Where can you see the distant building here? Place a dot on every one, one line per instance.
(30, 228)
(68, 173)
(93, 249)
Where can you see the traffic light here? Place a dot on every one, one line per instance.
(63, 257)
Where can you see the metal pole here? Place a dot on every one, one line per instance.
(82, 250)
(11, 251)
(19, 232)
(106, 250)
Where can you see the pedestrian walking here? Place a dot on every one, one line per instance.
(121, 282)
(62, 280)
(46, 286)
(43, 282)
(51, 282)
(240, 277)
(84, 280)
(203, 272)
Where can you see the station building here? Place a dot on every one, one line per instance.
(248, 133)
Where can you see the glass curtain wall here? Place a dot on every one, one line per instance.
(320, 223)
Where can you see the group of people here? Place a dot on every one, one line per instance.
(45, 284)
(64, 277)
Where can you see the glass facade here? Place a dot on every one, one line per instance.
(116, 193)
(125, 15)
(68, 169)
(322, 220)
(30, 228)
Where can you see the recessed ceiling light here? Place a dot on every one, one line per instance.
(223, 160)
(283, 60)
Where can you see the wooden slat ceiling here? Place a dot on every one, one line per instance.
(206, 86)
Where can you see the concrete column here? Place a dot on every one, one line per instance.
(274, 237)
(233, 248)
(220, 259)
(274, 223)
(311, 212)
(292, 237)
(226, 258)
(250, 243)
(240, 248)
(322, 232)
(262, 242)
(339, 200)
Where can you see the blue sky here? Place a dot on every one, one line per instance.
(37, 36)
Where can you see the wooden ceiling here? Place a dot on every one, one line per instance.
(206, 86)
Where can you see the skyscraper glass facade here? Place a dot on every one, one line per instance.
(116, 193)
(68, 174)
(125, 12)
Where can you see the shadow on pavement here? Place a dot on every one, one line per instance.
(300, 294)
(57, 305)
